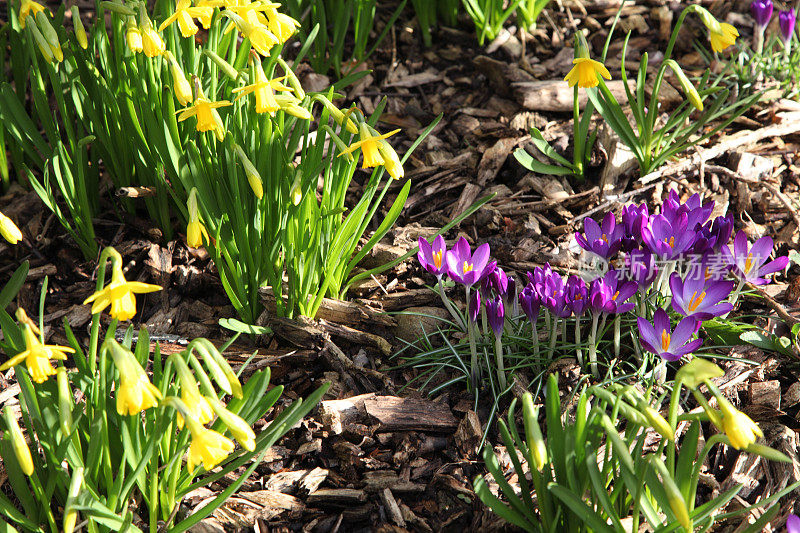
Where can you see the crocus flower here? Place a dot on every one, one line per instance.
(640, 267)
(495, 282)
(496, 313)
(711, 266)
(529, 302)
(666, 239)
(713, 235)
(576, 295)
(37, 356)
(610, 293)
(205, 111)
(474, 306)
(585, 73)
(634, 219)
(695, 297)
(697, 213)
(740, 428)
(793, 524)
(9, 230)
(463, 266)
(553, 297)
(662, 341)
(120, 295)
(762, 12)
(750, 264)
(605, 240)
(786, 20)
(431, 255)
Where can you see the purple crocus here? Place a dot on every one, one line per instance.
(474, 306)
(786, 20)
(529, 302)
(669, 239)
(609, 293)
(713, 235)
(762, 12)
(604, 240)
(793, 524)
(749, 264)
(640, 267)
(465, 267)
(634, 219)
(552, 295)
(494, 282)
(576, 295)
(496, 313)
(660, 339)
(711, 266)
(432, 255)
(700, 299)
(696, 211)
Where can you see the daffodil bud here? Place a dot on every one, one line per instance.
(180, 85)
(77, 25)
(134, 391)
(253, 177)
(23, 318)
(293, 81)
(238, 427)
(118, 8)
(218, 367)
(674, 496)
(338, 115)
(739, 428)
(295, 193)
(195, 402)
(70, 513)
(8, 229)
(50, 35)
(343, 150)
(195, 231)
(533, 433)
(21, 450)
(581, 46)
(64, 401)
(686, 85)
(133, 37)
(44, 48)
(696, 371)
(223, 65)
(290, 105)
(152, 44)
(657, 421)
(709, 20)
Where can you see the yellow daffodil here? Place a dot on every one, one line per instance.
(9, 230)
(134, 392)
(263, 89)
(77, 25)
(21, 449)
(23, 318)
(205, 111)
(28, 7)
(686, 85)
(120, 295)
(195, 231)
(740, 429)
(207, 447)
(261, 39)
(282, 26)
(390, 160)
(585, 73)
(152, 44)
(133, 37)
(253, 177)
(50, 35)
(238, 427)
(195, 403)
(723, 37)
(370, 147)
(180, 85)
(184, 13)
(37, 356)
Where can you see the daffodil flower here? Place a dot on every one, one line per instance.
(152, 44)
(37, 356)
(740, 429)
(9, 230)
(281, 25)
(585, 73)
(722, 37)
(195, 231)
(26, 8)
(184, 13)
(134, 392)
(370, 147)
(263, 89)
(238, 427)
(205, 111)
(207, 447)
(133, 37)
(261, 39)
(180, 85)
(119, 294)
(195, 402)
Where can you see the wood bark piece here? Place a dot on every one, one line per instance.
(337, 414)
(406, 414)
(338, 311)
(357, 337)
(556, 95)
(336, 497)
(392, 508)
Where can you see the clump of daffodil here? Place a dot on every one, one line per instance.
(77, 25)
(133, 37)
(740, 428)
(195, 402)
(184, 13)
(180, 85)
(238, 427)
(152, 44)
(263, 89)
(261, 39)
(134, 392)
(21, 449)
(205, 111)
(371, 147)
(253, 177)
(195, 231)
(586, 71)
(9, 230)
(37, 356)
(720, 34)
(26, 8)
(120, 293)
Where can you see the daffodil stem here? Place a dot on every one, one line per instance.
(578, 140)
(710, 443)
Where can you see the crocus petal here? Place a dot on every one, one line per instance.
(683, 331)
(480, 258)
(774, 266)
(661, 322)
(647, 335)
(689, 348)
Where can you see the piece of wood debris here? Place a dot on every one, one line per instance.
(392, 508)
(406, 414)
(336, 497)
(337, 414)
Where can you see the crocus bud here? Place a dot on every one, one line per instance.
(8, 229)
(253, 177)
(21, 450)
(533, 433)
(496, 313)
(686, 85)
(762, 12)
(77, 25)
(787, 21)
(64, 401)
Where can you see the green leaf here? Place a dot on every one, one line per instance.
(579, 507)
(14, 284)
(534, 165)
(240, 327)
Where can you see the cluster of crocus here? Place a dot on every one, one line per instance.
(761, 11)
